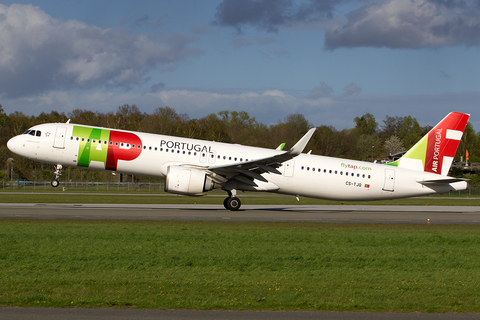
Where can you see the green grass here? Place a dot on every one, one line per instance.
(240, 265)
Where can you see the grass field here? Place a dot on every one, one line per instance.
(236, 265)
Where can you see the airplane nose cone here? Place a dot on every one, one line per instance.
(12, 144)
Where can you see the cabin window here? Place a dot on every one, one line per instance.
(341, 173)
(116, 143)
(155, 148)
(368, 176)
(149, 148)
(78, 138)
(363, 176)
(303, 167)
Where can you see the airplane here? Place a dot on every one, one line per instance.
(191, 167)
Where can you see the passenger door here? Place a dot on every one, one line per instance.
(59, 139)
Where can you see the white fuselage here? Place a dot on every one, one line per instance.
(151, 155)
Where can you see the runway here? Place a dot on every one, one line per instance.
(197, 212)
(128, 314)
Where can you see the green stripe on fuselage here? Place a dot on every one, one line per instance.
(89, 151)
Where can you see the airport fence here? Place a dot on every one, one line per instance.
(83, 186)
(157, 187)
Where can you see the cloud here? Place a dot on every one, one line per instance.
(351, 89)
(270, 15)
(157, 87)
(445, 75)
(239, 42)
(39, 54)
(412, 24)
(201, 29)
(324, 90)
(141, 22)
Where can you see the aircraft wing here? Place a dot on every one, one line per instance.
(247, 171)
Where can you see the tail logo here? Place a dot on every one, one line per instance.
(436, 150)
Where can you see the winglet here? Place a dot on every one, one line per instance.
(300, 145)
(280, 147)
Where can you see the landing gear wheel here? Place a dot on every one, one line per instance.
(55, 183)
(225, 203)
(233, 203)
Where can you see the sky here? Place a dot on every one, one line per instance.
(330, 60)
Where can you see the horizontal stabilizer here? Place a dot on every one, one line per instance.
(442, 181)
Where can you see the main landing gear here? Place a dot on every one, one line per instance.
(58, 172)
(232, 202)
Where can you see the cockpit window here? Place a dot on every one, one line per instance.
(39, 133)
(28, 131)
(32, 132)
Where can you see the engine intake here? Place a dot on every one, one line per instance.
(187, 181)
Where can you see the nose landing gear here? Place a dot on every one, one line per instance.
(58, 172)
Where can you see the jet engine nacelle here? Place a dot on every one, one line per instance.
(187, 181)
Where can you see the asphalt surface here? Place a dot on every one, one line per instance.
(198, 212)
(313, 213)
(116, 314)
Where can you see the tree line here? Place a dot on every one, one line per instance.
(366, 140)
